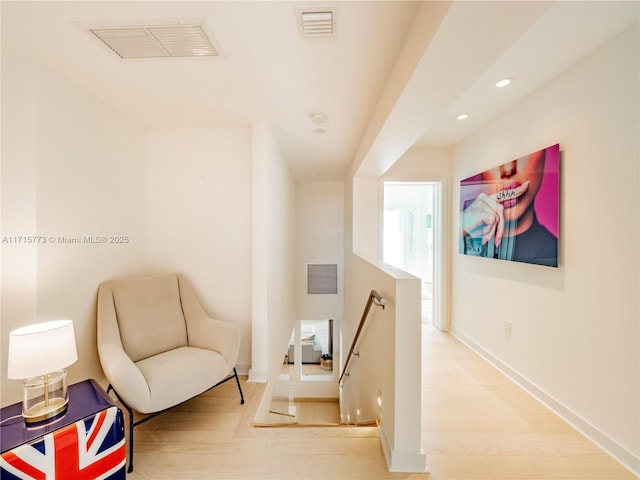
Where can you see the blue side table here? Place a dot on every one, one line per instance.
(86, 442)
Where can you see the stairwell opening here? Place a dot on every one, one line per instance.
(306, 392)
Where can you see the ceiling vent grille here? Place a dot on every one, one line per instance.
(316, 21)
(156, 41)
(317, 24)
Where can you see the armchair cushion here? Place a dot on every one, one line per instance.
(149, 315)
(179, 374)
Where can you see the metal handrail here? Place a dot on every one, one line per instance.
(374, 299)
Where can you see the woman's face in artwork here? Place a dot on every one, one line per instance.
(515, 184)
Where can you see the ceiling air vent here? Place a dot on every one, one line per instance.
(156, 41)
(316, 22)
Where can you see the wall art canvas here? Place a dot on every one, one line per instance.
(511, 212)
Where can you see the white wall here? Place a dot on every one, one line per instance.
(281, 256)
(390, 355)
(575, 329)
(199, 218)
(319, 239)
(423, 162)
(274, 251)
(366, 221)
(18, 262)
(389, 362)
(71, 167)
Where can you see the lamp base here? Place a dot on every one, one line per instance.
(41, 411)
(45, 397)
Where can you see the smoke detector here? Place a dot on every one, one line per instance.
(318, 117)
(314, 22)
(156, 41)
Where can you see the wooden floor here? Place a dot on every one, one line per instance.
(316, 413)
(476, 425)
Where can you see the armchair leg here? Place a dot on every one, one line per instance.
(131, 425)
(235, 374)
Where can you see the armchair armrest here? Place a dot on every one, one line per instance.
(212, 334)
(206, 332)
(125, 377)
(119, 369)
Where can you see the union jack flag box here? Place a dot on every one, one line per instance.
(85, 443)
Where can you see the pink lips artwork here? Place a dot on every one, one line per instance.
(510, 192)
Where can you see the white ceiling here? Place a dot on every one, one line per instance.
(394, 73)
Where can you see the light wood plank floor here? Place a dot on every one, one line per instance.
(476, 425)
(308, 412)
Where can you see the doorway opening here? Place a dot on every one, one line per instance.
(315, 350)
(412, 238)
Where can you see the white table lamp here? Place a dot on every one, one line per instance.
(39, 354)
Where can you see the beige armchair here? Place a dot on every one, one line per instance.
(157, 346)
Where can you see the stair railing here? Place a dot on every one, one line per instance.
(374, 299)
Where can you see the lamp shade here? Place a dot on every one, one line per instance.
(41, 348)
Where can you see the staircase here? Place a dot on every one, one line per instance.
(287, 409)
(306, 409)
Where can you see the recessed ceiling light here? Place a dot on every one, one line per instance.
(463, 116)
(503, 82)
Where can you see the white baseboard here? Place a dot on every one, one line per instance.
(613, 448)
(409, 462)
(256, 376)
(243, 368)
